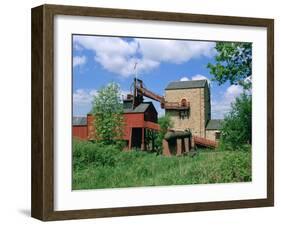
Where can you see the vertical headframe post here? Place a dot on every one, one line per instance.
(142, 138)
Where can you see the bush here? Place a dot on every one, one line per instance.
(165, 123)
(236, 167)
(85, 153)
(237, 125)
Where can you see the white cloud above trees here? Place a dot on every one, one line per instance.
(222, 106)
(119, 56)
(83, 98)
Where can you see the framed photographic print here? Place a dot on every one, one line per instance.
(141, 112)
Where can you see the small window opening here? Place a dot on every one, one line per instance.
(218, 135)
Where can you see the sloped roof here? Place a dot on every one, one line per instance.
(186, 84)
(79, 120)
(139, 109)
(214, 124)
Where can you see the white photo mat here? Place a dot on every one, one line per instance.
(66, 199)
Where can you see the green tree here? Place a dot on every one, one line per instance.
(108, 114)
(236, 127)
(233, 64)
(165, 123)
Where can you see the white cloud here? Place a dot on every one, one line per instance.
(232, 92)
(119, 56)
(194, 77)
(125, 66)
(174, 51)
(199, 77)
(107, 45)
(114, 54)
(221, 107)
(184, 79)
(77, 47)
(83, 97)
(82, 101)
(79, 60)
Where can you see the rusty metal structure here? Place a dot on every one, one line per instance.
(140, 91)
(177, 142)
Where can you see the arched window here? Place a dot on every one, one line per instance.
(183, 103)
(183, 113)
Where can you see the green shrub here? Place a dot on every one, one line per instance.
(85, 153)
(105, 166)
(165, 123)
(236, 167)
(237, 125)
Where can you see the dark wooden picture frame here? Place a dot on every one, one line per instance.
(42, 203)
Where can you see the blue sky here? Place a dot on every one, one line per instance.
(98, 60)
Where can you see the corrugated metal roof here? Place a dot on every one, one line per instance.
(79, 120)
(186, 84)
(214, 124)
(139, 109)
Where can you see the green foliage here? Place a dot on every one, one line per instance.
(105, 166)
(165, 122)
(150, 138)
(233, 63)
(237, 125)
(108, 111)
(88, 153)
(236, 168)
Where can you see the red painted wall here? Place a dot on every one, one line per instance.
(135, 120)
(132, 120)
(80, 132)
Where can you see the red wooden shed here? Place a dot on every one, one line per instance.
(139, 122)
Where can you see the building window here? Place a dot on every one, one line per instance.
(183, 114)
(218, 135)
(183, 103)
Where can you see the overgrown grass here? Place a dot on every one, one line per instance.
(97, 166)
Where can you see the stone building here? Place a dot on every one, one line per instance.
(195, 110)
(213, 129)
